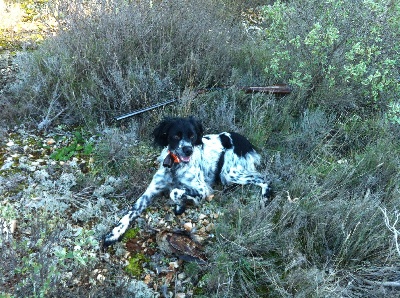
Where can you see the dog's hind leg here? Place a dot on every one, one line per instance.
(156, 187)
(239, 175)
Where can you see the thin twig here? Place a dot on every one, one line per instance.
(382, 283)
(392, 227)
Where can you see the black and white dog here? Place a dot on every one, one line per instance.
(190, 164)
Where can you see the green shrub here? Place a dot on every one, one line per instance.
(337, 54)
(77, 146)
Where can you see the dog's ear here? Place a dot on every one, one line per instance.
(160, 133)
(198, 128)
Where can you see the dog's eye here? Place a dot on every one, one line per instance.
(176, 137)
(191, 137)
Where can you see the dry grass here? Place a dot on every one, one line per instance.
(332, 154)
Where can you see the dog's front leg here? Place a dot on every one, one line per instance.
(195, 195)
(157, 186)
(178, 197)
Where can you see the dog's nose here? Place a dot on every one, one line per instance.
(188, 150)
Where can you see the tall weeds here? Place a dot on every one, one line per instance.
(113, 57)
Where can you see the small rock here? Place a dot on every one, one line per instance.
(188, 226)
(101, 278)
(168, 217)
(180, 295)
(210, 227)
(7, 165)
(50, 141)
(13, 226)
(181, 276)
(202, 216)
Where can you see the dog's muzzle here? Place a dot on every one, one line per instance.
(187, 153)
(173, 158)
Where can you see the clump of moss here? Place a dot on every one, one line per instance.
(130, 234)
(135, 266)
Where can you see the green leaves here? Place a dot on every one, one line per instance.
(347, 46)
(77, 146)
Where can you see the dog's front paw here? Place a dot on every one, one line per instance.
(266, 196)
(117, 233)
(109, 240)
(179, 209)
(176, 195)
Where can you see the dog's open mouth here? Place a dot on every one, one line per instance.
(172, 158)
(184, 158)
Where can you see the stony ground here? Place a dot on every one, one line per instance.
(52, 178)
(46, 171)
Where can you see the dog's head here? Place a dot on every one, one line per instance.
(180, 135)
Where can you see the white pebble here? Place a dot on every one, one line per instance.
(188, 226)
(181, 276)
(101, 278)
(202, 216)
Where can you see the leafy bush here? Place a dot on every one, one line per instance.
(78, 145)
(337, 54)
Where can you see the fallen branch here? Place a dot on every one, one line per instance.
(392, 227)
(382, 283)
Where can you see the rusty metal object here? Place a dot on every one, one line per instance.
(276, 89)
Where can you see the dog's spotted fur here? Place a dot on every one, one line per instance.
(190, 164)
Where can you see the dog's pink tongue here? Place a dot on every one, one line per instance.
(185, 158)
